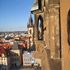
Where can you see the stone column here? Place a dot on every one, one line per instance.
(46, 59)
(35, 27)
(46, 27)
(52, 31)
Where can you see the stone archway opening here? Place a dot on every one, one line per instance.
(40, 28)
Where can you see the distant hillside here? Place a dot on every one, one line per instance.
(14, 32)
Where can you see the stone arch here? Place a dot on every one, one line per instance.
(40, 28)
(68, 26)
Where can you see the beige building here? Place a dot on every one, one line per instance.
(4, 62)
(52, 33)
(65, 33)
(4, 59)
(47, 33)
(15, 55)
(15, 58)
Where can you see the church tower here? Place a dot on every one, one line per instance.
(30, 27)
(47, 32)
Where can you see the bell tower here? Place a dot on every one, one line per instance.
(30, 27)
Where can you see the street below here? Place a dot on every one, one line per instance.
(22, 68)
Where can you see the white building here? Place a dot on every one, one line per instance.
(28, 59)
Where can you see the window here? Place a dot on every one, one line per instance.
(40, 28)
(68, 26)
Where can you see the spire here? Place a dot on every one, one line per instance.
(30, 19)
(30, 23)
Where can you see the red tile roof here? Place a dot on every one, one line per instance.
(6, 45)
(23, 45)
(2, 51)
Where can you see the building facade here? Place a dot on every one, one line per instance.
(52, 33)
(65, 33)
(47, 33)
(4, 59)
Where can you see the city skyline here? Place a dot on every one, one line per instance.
(14, 14)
